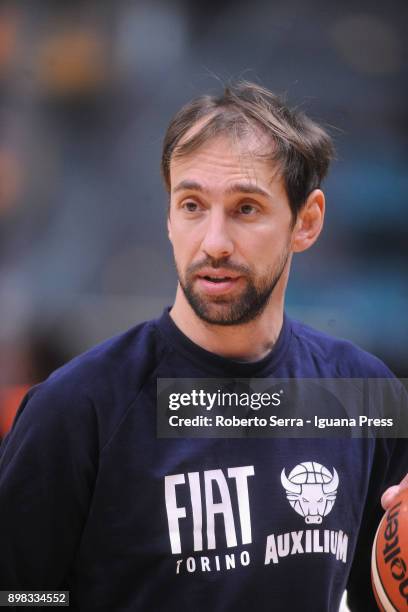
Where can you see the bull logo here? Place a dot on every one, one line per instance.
(311, 490)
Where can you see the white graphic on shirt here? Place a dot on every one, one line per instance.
(209, 518)
(311, 490)
(216, 486)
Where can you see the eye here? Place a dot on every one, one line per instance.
(247, 209)
(190, 206)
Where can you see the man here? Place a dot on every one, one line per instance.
(93, 502)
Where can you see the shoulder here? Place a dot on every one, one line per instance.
(95, 389)
(128, 355)
(337, 357)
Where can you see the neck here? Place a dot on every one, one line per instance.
(247, 342)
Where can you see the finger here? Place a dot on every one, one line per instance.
(389, 495)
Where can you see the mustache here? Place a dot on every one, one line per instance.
(221, 262)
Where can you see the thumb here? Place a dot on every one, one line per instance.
(389, 495)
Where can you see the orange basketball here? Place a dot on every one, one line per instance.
(389, 559)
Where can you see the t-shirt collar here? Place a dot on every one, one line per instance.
(216, 364)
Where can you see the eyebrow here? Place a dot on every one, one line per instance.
(248, 188)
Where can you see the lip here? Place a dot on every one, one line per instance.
(217, 273)
(217, 288)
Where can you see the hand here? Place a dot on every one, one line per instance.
(389, 495)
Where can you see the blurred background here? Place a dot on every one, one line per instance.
(87, 89)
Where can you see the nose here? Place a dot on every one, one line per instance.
(217, 241)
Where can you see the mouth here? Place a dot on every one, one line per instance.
(217, 279)
(217, 284)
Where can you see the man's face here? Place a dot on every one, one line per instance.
(230, 227)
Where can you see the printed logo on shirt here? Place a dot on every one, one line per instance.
(311, 490)
(209, 513)
(221, 494)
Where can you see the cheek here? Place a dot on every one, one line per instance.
(264, 246)
(183, 247)
(185, 239)
(265, 253)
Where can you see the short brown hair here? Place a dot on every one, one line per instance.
(301, 147)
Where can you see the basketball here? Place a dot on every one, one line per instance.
(389, 559)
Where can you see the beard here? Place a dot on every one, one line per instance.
(235, 309)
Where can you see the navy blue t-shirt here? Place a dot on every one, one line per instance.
(91, 501)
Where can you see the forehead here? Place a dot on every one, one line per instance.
(223, 159)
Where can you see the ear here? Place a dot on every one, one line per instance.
(309, 222)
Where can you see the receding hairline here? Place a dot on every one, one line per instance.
(301, 147)
(262, 146)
